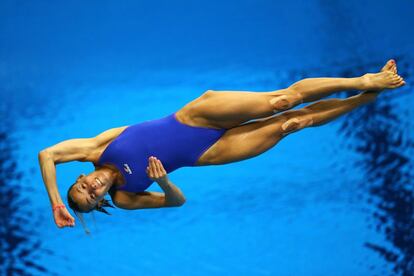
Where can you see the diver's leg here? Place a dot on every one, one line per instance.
(251, 139)
(227, 109)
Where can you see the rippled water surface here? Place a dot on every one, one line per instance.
(332, 200)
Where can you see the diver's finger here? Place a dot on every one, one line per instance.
(154, 168)
(158, 167)
(151, 164)
(156, 174)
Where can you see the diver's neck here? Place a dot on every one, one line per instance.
(114, 174)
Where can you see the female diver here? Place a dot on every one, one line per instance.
(211, 130)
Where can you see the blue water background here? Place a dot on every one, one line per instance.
(332, 200)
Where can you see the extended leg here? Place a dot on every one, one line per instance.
(312, 89)
(251, 139)
(324, 111)
(227, 109)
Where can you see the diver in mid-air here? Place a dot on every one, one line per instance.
(213, 129)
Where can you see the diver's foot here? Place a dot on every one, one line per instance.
(384, 80)
(391, 65)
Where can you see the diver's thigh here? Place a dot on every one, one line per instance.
(243, 142)
(228, 109)
(254, 138)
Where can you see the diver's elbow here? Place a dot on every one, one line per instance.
(176, 203)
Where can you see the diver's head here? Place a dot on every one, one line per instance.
(89, 191)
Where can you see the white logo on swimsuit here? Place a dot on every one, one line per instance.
(127, 169)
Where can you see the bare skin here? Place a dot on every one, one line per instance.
(251, 139)
(221, 109)
(217, 109)
(228, 109)
(90, 189)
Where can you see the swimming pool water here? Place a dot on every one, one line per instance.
(332, 200)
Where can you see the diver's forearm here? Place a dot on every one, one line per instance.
(48, 169)
(173, 194)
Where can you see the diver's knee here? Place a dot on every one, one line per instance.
(280, 103)
(296, 123)
(290, 125)
(286, 101)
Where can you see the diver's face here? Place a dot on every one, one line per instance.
(90, 189)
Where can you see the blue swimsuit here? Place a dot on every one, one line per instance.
(175, 144)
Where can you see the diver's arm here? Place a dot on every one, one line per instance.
(61, 215)
(142, 200)
(68, 150)
(157, 173)
(48, 169)
(79, 149)
(173, 195)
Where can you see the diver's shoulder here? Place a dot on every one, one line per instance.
(102, 140)
(108, 135)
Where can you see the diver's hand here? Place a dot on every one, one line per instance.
(155, 170)
(62, 216)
